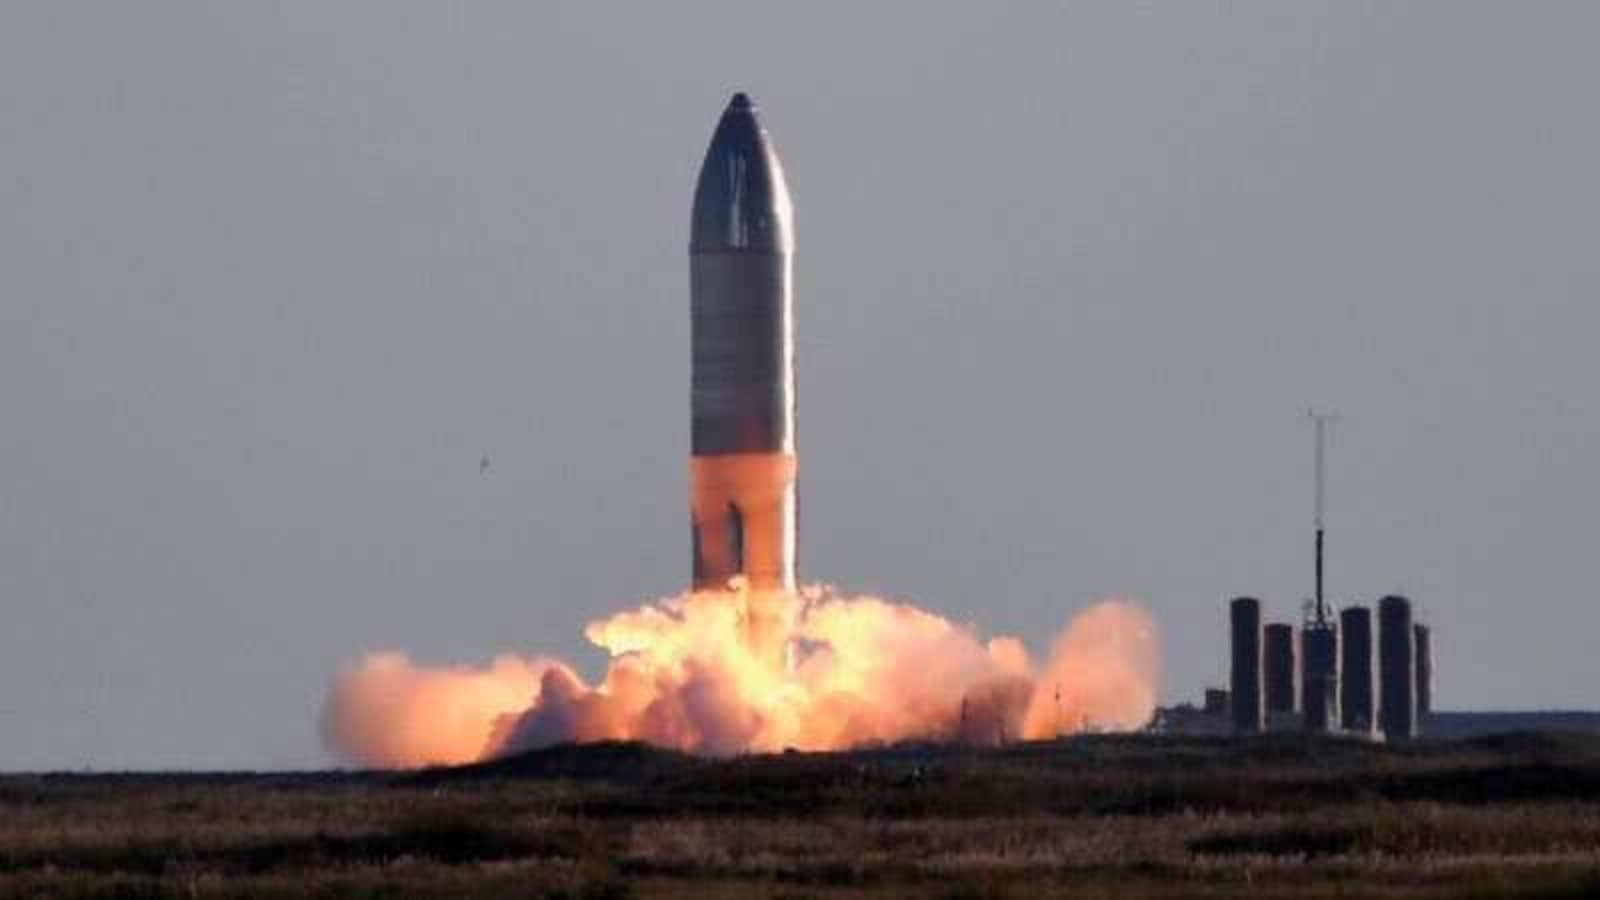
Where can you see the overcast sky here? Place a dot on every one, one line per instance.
(274, 276)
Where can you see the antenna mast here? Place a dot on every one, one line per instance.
(1320, 422)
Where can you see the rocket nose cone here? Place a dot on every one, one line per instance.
(741, 201)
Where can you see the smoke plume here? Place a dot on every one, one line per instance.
(388, 713)
(722, 672)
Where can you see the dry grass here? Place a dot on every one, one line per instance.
(1095, 818)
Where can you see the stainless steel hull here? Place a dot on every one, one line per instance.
(742, 402)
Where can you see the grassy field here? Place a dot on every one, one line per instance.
(1102, 816)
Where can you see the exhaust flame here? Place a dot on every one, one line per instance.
(723, 672)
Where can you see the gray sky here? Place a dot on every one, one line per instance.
(274, 276)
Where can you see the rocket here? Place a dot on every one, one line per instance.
(742, 392)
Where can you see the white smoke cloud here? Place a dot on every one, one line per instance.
(736, 671)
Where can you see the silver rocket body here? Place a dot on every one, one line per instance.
(742, 390)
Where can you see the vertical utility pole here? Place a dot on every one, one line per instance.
(1321, 421)
(1319, 638)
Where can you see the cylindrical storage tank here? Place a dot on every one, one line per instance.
(1279, 671)
(1356, 705)
(1244, 615)
(1422, 647)
(1397, 669)
(1319, 677)
(1216, 702)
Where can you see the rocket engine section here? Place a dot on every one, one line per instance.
(742, 393)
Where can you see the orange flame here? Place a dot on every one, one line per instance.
(739, 671)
